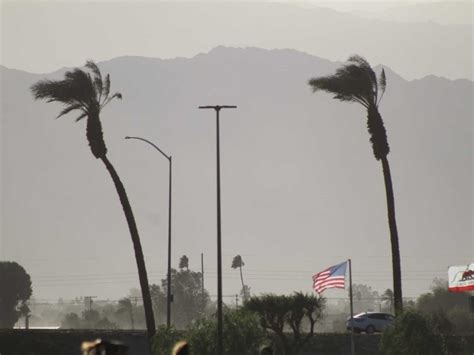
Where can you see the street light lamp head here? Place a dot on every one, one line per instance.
(216, 107)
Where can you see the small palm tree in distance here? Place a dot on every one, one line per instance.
(237, 262)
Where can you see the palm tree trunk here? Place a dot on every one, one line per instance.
(132, 226)
(243, 286)
(396, 266)
(95, 136)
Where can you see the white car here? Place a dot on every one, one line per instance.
(370, 322)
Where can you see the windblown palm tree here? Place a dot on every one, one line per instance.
(237, 262)
(89, 94)
(357, 82)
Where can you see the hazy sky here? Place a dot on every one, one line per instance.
(44, 36)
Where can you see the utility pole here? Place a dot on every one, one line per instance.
(134, 300)
(169, 296)
(202, 280)
(352, 308)
(236, 301)
(220, 347)
(88, 302)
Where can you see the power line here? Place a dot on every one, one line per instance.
(250, 272)
(134, 281)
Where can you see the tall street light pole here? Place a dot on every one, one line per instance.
(219, 247)
(168, 296)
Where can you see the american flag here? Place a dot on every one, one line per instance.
(332, 277)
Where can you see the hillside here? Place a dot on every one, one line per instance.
(300, 186)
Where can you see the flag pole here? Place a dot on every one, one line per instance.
(352, 308)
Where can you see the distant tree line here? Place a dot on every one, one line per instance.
(189, 303)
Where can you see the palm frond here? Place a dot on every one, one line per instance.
(70, 108)
(97, 77)
(357, 81)
(52, 90)
(94, 89)
(382, 84)
(79, 90)
(81, 116)
(364, 64)
(78, 85)
(95, 69)
(116, 95)
(383, 80)
(106, 87)
(353, 82)
(342, 85)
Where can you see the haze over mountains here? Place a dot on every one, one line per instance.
(55, 36)
(301, 189)
(451, 12)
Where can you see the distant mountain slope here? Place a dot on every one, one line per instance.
(167, 29)
(300, 186)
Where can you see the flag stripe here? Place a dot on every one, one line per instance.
(335, 284)
(332, 277)
(330, 282)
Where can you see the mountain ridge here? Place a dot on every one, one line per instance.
(227, 50)
(299, 181)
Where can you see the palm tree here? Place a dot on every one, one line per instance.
(357, 82)
(237, 262)
(125, 306)
(89, 94)
(184, 262)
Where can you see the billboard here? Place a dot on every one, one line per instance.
(461, 278)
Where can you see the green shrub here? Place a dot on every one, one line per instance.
(242, 334)
(165, 339)
(440, 322)
(202, 336)
(412, 334)
(463, 321)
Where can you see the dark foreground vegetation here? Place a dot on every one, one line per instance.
(67, 342)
